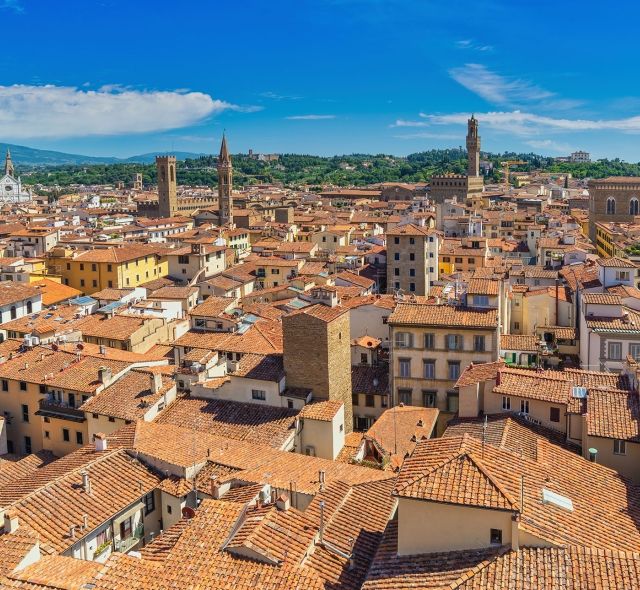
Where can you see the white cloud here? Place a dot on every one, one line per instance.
(429, 135)
(549, 145)
(498, 89)
(62, 111)
(528, 124)
(310, 117)
(275, 96)
(471, 44)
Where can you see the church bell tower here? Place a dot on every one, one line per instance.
(8, 164)
(225, 185)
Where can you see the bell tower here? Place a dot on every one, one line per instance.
(8, 164)
(473, 147)
(225, 185)
(167, 186)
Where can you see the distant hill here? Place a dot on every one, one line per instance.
(24, 156)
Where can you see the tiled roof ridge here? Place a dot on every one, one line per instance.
(75, 471)
(479, 464)
(505, 430)
(470, 573)
(445, 461)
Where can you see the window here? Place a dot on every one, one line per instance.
(615, 351)
(396, 240)
(125, 528)
(25, 413)
(478, 344)
(112, 419)
(412, 287)
(354, 399)
(429, 399)
(633, 206)
(412, 256)
(149, 503)
(5, 385)
(65, 434)
(183, 259)
(429, 369)
(619, 446)
(46, 434)
(634, 351)
(23, 386)
(506, 403)
(396, 256)
(79, 438)
(29, 307)
(200, 323)
(412, 241)
(94, 283)
(412, 272)
(68, 266)
(370, 401)
(516, 325)
(429, 341)
(454, 341)
(404, 396)
(495, 537)
(554, 414)
(94, 267)
(454, 369)
(471, 260)
(405, 367)
(258, 394)
(481, 300)
(452, 401)
(524, 406)
(109, 268)
(81, 266)
(364, 358)
(458, 260)
(13, 312)
(404, 340)
(611, 206)
(27, 445)
(396, 272)
(622, 275)
(110, 284)
(82, 282)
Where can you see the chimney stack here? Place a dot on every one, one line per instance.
(104, 375)
(100, 440)
(11, 522)
(156, 382)
(321, 531)
(283, 502)
(321, 475)
(86, 482)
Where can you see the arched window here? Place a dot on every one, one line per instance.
(29, 307)
(634, 206)
(611, 206)
(173, 178)
(13, 312)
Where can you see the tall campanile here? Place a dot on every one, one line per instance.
(225, 185)
(473, 147)
(167, 186)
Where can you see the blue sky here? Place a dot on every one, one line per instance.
(122, 77)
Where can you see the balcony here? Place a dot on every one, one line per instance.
(55, 409)
(125, 545)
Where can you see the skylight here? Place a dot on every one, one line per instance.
(579, 392)
(549, 497)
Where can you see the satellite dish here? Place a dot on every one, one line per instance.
(54, 347)
(80, 346)
(188, 512)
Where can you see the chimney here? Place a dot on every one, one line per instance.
(11, 522)
(85, 521)
(100, 440)
(72, 532)
(283, 502)
(104, 375)
(103, 350)
(593, 455)
(86, 482)
(156, 382)
(321, 475)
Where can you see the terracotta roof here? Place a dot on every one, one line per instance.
(613, 414)
(320, 311)
(370, 380)
(13, 292)
(264, 337)
(523, 342)
(267, 425)
(53, 292)
(417, 314)
(616, 262)
(118, 255)
(324, 410)
(213, 306)
(601, 298)
(483, 287)
(477, 372)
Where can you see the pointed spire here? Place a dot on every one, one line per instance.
(8, 164)
(224, 152)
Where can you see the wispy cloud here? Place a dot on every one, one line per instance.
(429, 135)
(472, 45)
(528, 124)
(310, 117)
(275, 96)
(497, 89)
(13, 5)
(64, 111)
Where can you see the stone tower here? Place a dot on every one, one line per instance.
(317, 354)
(137, 181)
(8, 164)
(167, 186)
(225, 185)
(473, 147)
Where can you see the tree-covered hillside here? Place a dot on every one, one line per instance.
(296, 170)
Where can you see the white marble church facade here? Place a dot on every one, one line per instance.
(11, 189)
